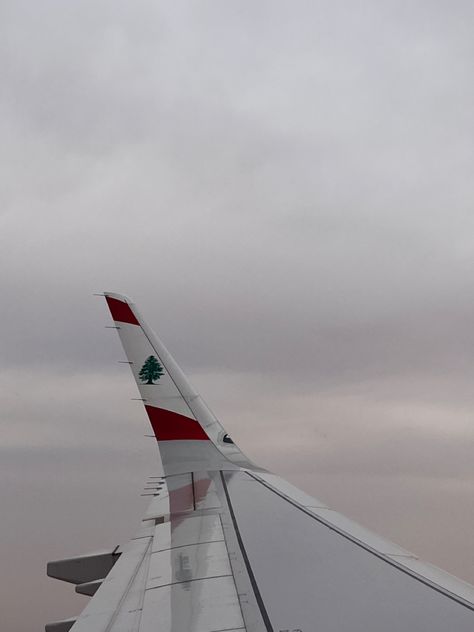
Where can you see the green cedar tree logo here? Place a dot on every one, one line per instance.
(151, 371)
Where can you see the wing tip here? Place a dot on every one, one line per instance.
(119, 297)
(121, 308)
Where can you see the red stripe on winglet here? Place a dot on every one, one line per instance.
(169, 426)
(121, 311)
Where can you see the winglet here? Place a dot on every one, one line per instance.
(188, 434)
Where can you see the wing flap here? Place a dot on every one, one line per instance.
(205, 605)
(190, 585)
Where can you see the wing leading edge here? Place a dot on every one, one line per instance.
(227, 546)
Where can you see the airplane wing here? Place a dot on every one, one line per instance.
(225, 545)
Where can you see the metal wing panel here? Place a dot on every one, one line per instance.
(190, 585)
(206, 605)
(187, 530)
(372, 541)
(310, 574)
(340, 521)
(175, 575)
(188, 563)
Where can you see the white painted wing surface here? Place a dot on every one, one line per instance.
(225, 545)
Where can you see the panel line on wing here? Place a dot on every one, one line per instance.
(187, 581)
(253, 581)
(180, 546)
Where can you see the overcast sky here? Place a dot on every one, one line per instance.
(286, 190)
